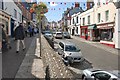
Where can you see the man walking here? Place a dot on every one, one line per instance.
(19, 36)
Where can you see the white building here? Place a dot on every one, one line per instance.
(16, 14)
(117, 24)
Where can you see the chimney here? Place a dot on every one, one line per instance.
(90, 5)
(77, 4)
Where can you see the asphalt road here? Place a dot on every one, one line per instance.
(95, 57)
(11, 61)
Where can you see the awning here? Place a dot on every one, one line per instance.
(92, 27)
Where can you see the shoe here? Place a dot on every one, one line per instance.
(17, 51)
(24, 49)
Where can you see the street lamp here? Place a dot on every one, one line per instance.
(40, 10)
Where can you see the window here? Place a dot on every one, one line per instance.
(73, 20)
(20, 17)
(77, 19)
(15, 13)
(80, 20)
(88, 19)
(83, 21)
(107, 15)
(99, 16)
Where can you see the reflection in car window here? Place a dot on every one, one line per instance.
(102, 76)
(71, 48)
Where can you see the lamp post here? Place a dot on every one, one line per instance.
(40, 9)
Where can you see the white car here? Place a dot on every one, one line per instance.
(97, 74)
(70, 52)
(59, 35)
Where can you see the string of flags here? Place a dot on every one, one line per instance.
(61, 3)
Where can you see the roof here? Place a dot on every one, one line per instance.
(75, 10)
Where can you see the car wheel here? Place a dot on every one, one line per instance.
(84, 77)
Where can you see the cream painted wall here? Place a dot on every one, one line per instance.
(85, 15)
(112, 10)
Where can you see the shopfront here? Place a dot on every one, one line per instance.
(93, 33)
(5, 20)
(84, 32)
(106, 34)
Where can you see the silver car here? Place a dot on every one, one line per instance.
(97, 74)
(70, 52)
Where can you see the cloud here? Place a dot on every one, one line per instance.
(53, 4)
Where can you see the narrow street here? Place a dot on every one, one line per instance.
(11, 61)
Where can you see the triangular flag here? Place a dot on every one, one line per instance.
(72, 3)
(52, 2)
(65, 3)
(48, 2)
(59, 8)
(61, 3)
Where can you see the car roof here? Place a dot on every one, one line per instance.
(67, 42)
(58, 32)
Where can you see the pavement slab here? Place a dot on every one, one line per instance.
(32, 66)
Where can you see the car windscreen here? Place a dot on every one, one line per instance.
(71, 48)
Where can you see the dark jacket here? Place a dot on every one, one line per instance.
(19, 33)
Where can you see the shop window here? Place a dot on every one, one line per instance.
(106, 34)
(83, 32)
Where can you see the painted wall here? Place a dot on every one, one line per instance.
(9, 8)
(117, 29)
(85, 15)
(112, 10)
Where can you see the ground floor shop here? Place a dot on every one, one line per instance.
(106, 32)
(93, 33)
(5, 20)
(84, 32)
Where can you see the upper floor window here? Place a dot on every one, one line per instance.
(99, 17)
(77, 19)
(88, 19)
(107, 15)
(15, 13)
(20, 17)
(83, 21)
(73, 21)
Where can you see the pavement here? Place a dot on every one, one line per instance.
(32, 65)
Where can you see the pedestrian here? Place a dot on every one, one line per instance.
(19, 36)
(35, 30)
(30, 30)
(86, 36)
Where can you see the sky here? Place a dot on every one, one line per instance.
(56, 8)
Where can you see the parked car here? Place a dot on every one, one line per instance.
(48, 34)
(59, 35)
(66, 35)
(97, 74)
(70, 52)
